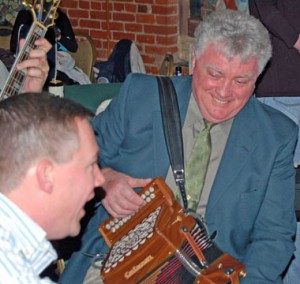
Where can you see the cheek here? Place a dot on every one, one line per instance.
(202, 84)
(242, 96)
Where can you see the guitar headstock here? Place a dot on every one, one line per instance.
(43, 11)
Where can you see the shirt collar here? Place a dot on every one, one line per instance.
(31, 238)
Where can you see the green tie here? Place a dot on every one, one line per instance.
(197, 166)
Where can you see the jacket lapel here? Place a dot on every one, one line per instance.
(240, 146)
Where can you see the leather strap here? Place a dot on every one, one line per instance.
(172, 130)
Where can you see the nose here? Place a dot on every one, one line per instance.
(224, 90)
(99, 177)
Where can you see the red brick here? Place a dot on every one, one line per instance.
(95, 5)
(98, 34)
(145, 1)
(116, 26)
(118, 36)
(89, 24)
(132, 8)
(84, 4)
(164, 10)
(132, 27)
(160, 30)
(166, 2)
(118, 7)
(166, 40)
(145, 18)
(79, 14)
(126, 17)
(167, 20)
(149, 39)
(69, 4)
(99, 15)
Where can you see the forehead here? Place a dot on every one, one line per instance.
(213, 57)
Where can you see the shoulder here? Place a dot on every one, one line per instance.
(25, 13)
(141, 91)
(148, 82)
(61, 15)
(269, 120)
(24, 16)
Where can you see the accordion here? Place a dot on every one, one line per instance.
(163, 243)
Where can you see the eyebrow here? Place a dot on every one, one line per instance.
(246, 75)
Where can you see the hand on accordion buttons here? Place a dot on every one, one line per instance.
(120, 199)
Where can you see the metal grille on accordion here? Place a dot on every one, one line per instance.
(162, 243)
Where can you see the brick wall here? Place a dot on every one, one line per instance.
(152, 24)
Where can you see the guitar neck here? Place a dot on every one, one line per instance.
(16, 77)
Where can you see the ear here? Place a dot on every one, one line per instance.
(44, 174)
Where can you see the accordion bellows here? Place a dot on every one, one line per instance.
(163, 243)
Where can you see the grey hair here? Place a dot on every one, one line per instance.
(36, 126)
(235, 34)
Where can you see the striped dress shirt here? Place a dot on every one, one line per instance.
(24, 250)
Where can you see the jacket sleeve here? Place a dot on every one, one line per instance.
(68, 39)
(109, 127)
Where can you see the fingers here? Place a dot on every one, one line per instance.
(35, 66)
(37, 58)
(121, 200)
(43, 44)
(122, 203)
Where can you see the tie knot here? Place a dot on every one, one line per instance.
(208, 125)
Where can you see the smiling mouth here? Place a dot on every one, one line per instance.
(222, 102)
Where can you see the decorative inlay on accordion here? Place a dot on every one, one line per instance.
(162, 243)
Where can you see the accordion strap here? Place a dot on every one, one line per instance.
(172, 131)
